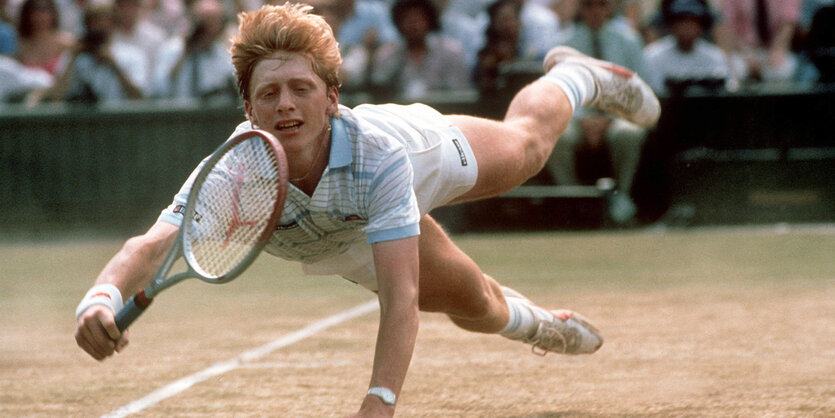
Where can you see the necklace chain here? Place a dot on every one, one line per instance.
(315, 160)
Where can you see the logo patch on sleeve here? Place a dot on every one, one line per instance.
(181, 210)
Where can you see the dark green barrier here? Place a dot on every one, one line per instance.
(757, 156)
(101, 168)
(115, 168)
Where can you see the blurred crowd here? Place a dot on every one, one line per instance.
(95, 51)
(105, 50)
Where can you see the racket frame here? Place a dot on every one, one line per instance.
(137, 303)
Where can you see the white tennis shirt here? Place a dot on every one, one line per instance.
(366, 192)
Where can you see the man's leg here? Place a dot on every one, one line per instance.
(452, 283)
(561, 164)
(513, 150)
(626, 141)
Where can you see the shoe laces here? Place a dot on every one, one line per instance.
(547, 336)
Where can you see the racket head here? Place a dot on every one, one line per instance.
(234, 205)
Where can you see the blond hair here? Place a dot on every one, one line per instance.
(288, 28)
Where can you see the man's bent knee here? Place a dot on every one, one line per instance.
(467, 304)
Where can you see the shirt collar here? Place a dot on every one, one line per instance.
(341, 154)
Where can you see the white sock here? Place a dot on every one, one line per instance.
(524, 318)
(576, 81)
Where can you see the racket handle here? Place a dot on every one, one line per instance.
(135, 306)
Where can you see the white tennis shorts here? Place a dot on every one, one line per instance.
(444, 168)
(442, 160)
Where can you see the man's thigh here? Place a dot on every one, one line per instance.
(450, 281)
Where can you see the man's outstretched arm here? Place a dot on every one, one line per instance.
(396, 263)
(129, 270)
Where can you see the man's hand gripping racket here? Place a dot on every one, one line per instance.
(233, 207)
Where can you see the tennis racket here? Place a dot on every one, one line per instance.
(234, 205)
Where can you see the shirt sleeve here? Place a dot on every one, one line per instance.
(173, 214)
(392, 204)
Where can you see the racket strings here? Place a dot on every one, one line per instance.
(233, 207)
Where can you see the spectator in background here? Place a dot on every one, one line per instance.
(8, 39)
(540, 27)
(472, 8)
(628, 13)
(591, 132)
(8, 33)
(467, 30)
(41, 44)
(423, 61)
(99, 72)
(132, 28)
(364, 22)
(808, 10)
(198, 65)
(250, 5)
(17, 80)
(820, 43)
(70, 11)
(760, 33)
(812, 38)
(685, 58)
(361, 27)
(636, 13)
(566, 11)
(502, 39)
(355, 72)
(5, 16)
(168, 15)
(72, 15)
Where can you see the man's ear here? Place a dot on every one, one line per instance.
(249, 115)
(333, 101)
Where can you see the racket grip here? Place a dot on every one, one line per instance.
(135, 306)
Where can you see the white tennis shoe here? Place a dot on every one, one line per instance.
(620, 91)
(572, 336)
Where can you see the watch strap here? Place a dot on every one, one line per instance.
(385, 394)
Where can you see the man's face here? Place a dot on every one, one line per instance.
(289, 100)
(413, 24)
(595, 12)
(687, 29)
(508, 22)
(128, 12)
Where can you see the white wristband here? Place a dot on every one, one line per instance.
(101, 294)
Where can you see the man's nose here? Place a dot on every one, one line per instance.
(286, 101)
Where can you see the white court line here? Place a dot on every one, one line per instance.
(240, 361)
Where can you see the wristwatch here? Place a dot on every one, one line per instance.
(385, 394)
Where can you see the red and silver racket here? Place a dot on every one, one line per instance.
(233, 207)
